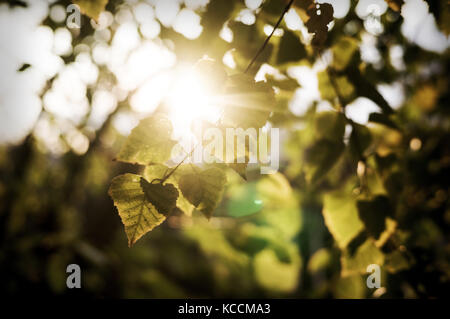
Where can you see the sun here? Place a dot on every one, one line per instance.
(191, 101)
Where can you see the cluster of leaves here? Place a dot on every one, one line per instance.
(144, 202)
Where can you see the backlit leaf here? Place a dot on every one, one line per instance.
(275, 275)
(345, 89)
(203, 188)
(395, 5)
(365, 255)
(341, 217)
(91, 8)
(352, 287)
(343, 52)
(149, 142)
(142, 206)
(248, 103)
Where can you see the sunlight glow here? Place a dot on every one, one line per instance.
(191, 100)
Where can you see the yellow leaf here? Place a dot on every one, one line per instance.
(91, 8)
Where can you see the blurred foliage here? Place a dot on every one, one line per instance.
(347, 194)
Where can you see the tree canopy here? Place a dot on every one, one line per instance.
(91, 117)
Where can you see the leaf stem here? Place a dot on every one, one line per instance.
(286, 9)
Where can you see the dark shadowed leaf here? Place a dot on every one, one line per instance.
(360, 140)
(373, 214)
(158, 171)
(290, 49)
(319, 17)
(329, 125)
(203, 188)
(321, 157)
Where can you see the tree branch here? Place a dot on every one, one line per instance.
(261, 49)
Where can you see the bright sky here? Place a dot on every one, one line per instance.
(145, 66)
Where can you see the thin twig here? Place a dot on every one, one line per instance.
(286, 9)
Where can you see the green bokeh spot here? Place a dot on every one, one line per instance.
(244, 201)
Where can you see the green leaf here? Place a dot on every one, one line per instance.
(247, 39)
(290, 49)
(240, 168)
(352, 287)
(280, 205)
(91, 8)
(366, 254)
(341, 218)
(158, 171)
(321, 157)
(320, 261)
(162, 196)
(274, 189)
(203, 188)
(286, 84)
(275, 275)
(214, 16)
(329, 125)
(327, 147)
(142, 206)
(328, 92)
(397, 261)
(192, 189)
(248, 103)
(373, 214)
(343, 52)
(149, 142)
(360, 140)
